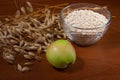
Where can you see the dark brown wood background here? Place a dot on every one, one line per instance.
(100, 61)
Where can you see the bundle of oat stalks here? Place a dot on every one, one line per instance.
(29, 33)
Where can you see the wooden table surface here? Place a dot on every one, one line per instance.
(100, 61)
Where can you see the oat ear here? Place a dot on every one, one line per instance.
(28, 33)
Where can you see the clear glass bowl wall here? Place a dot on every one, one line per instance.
(86, 36)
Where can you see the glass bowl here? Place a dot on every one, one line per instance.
(85, 36)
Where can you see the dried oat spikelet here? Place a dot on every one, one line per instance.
(25, 69)
(23, 10)
(22, 69)
(29, 8)
(17, 14)
(19, 67)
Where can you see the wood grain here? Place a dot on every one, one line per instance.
(100, 61)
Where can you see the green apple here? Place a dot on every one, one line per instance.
(61, 53)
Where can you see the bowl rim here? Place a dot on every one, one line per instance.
(107, 23)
